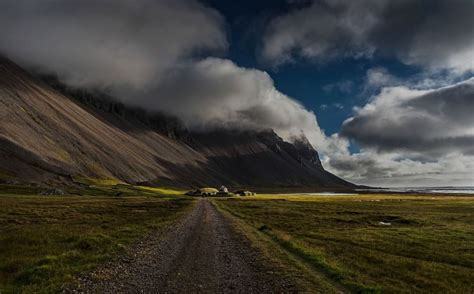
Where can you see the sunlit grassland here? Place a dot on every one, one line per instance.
(112, 185)
(46, 240)
(369, 243)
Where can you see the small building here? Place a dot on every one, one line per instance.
(224, 192)
(244, 193)
(223, 189)
(203, 192)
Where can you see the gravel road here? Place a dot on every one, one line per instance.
(202, 253)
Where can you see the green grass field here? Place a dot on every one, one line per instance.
(364, 243)
(345, 243)
(46, 240)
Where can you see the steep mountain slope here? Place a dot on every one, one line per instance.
(46, 135)
(262, 158)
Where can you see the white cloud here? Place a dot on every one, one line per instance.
(344, 86)
(428, 122)
(216, 92)
(389, 170)
(380, 77)
(411, 137)
(338, 105)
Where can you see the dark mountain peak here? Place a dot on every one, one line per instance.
(306, 149)
(300, 149)
(301, 139)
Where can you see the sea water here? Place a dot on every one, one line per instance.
(429, 190)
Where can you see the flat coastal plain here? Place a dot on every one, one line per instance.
(149, 240)
(367, 243)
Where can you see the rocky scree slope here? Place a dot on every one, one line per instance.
(50, 132)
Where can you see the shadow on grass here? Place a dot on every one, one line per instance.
(318, 262)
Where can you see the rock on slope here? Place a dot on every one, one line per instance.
(46, 135)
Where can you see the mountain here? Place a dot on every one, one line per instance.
(49, 132)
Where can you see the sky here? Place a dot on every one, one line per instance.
(383, 89)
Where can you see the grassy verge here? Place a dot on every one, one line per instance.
(287, 264)
(346, 242)
(46, 240)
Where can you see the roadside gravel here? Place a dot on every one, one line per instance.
(202, 253)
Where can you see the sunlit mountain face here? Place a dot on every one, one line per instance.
(383, 90)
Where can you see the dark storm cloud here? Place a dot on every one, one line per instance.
(367, 167)
(317, 32)
(107, 42)
(142, 52)
(435, 34)
(432, 122)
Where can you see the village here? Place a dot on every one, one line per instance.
(223, 191)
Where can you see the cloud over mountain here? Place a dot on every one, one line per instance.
(215, 92)
(108, 43)
(147, 53)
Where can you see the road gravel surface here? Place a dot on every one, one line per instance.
(202, 253)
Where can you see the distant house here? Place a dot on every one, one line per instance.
(203, 192)
(223, 189)
(244, 193)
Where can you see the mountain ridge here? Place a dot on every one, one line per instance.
(49, 133)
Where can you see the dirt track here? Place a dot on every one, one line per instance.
(202, 253)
